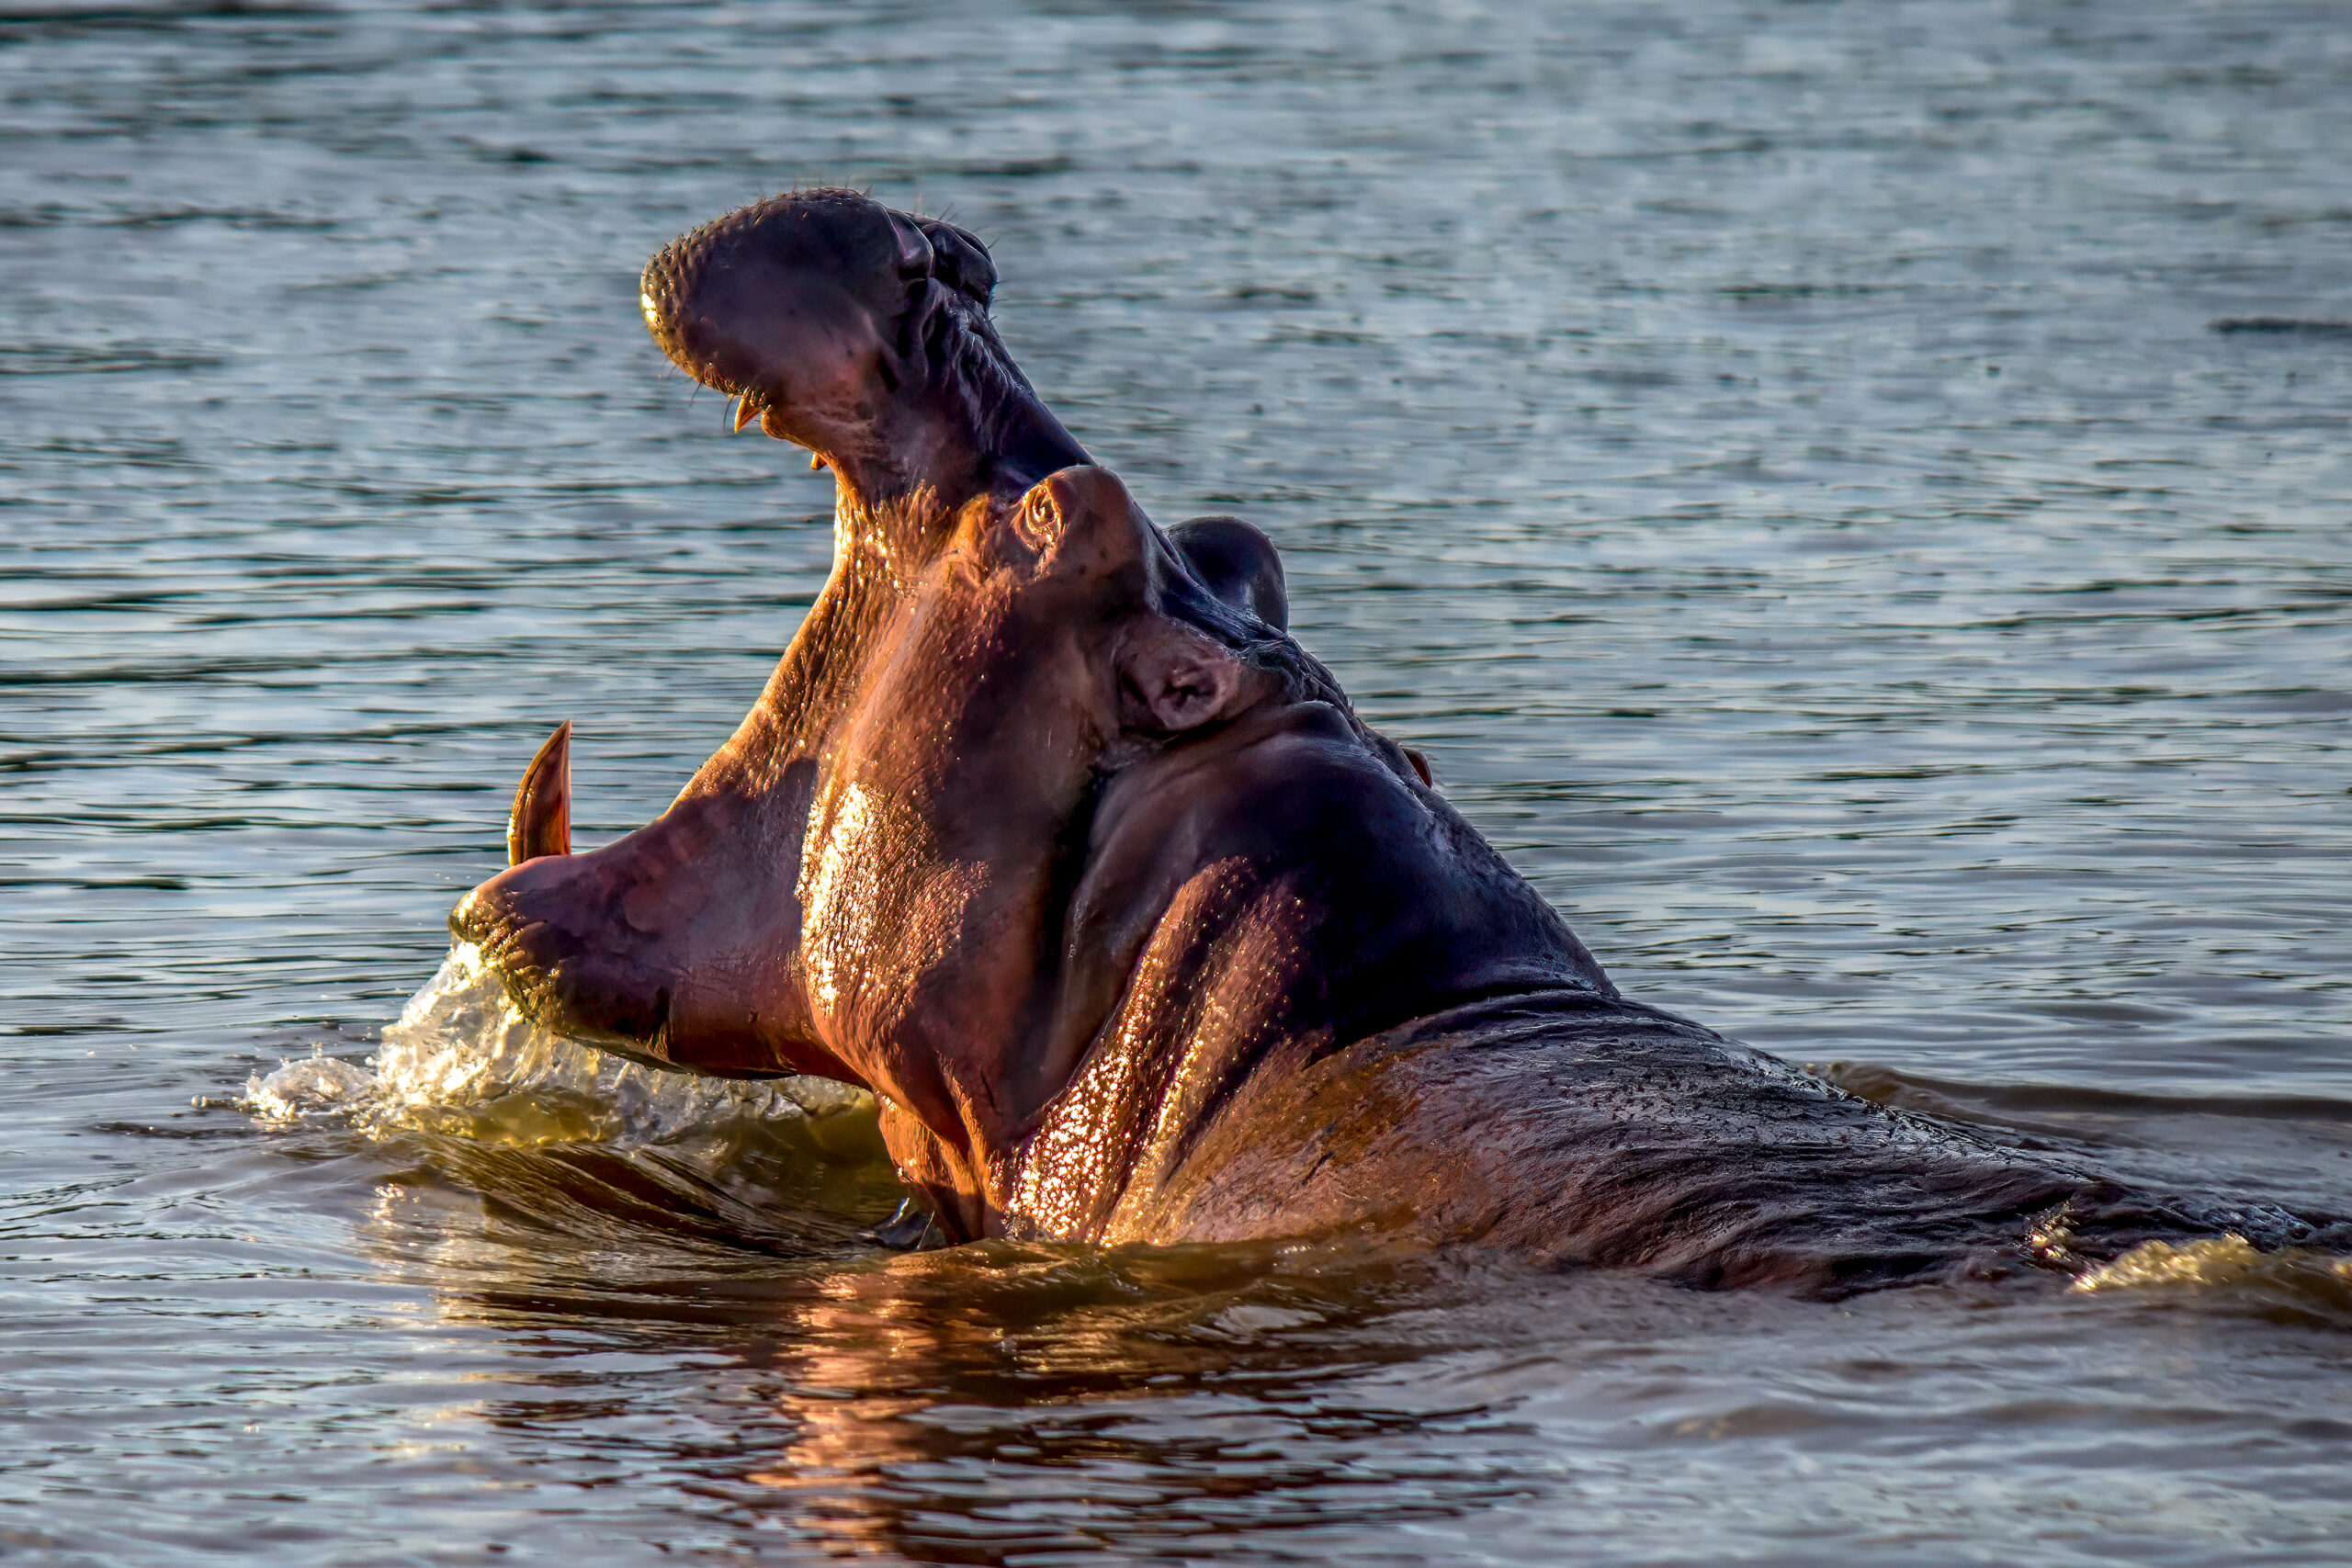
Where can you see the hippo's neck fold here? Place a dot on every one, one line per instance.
(1211, 993)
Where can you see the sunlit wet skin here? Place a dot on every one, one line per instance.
(808, 309)
(1063, 849)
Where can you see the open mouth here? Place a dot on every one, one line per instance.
(745, 408)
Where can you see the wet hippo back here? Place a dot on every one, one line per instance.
(1569, 1129)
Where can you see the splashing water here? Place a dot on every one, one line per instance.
(462, 1059)
(2294, 1280)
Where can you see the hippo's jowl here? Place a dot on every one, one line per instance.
(1047, 832)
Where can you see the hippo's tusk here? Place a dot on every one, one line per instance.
(540, 823)
(746, 410)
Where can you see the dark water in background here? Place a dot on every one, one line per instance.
(1780, 459)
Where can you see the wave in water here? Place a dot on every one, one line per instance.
(463, 1060)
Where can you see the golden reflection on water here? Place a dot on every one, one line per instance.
(988, 1402)
(1028, 1395)
(1040, 1396)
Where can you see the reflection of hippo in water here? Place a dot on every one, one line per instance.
(1045, 831)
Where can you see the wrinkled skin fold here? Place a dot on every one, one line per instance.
(1047, 832)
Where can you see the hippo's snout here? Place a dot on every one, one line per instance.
(775, 301)
(723, 300)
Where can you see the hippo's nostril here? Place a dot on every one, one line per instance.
(914, 250)
(960, 261)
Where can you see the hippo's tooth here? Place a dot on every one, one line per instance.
(816, 461)
(540, 823)
(744, 412)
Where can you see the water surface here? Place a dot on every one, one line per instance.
(1853, 498)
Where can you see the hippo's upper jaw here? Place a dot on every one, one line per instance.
(861, 333)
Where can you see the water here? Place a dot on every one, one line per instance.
(1782, 461)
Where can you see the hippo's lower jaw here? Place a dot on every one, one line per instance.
(554, 980)
(584, 990)
(630, 946)
(543, 928)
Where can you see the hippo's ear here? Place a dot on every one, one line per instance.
(1236, 563)
(1173, 679)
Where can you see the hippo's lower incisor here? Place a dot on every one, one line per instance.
(1045, 831)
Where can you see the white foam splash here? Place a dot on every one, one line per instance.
(461, 1054)
(321, 1085)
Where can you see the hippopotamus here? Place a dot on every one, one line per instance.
(1047, 832)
